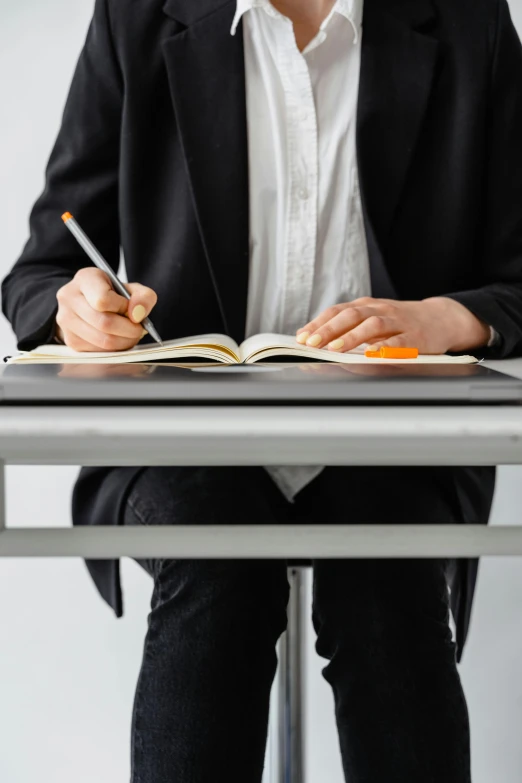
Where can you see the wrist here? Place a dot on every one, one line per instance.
(462, 329)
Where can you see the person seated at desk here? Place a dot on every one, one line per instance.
(350, 171)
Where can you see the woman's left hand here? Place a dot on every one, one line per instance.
(434, 325)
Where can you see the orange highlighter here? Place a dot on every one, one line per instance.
(387, 352)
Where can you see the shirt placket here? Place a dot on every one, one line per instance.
(302, 157)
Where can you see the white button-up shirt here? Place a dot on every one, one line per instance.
(307, 240)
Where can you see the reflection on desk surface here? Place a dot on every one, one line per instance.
(303, 383)
(179, 371)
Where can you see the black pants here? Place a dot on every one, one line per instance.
(201, 706)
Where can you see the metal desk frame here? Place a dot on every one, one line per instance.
(427, 435)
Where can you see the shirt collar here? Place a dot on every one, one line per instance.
(350, 9)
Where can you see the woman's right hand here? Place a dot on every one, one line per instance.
(93, 317)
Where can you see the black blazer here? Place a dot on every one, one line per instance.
(152, 157)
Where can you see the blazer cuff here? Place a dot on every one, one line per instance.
(494, 338)
(35, 323)
(484, 307)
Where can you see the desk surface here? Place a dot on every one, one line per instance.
(509, 366)
(267, 383)
(127, 435)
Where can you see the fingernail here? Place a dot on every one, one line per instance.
(314, 341)
(303, 337)
(139, 313)
(335, 345)
(371, 347)
(144, 332)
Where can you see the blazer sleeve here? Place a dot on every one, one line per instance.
(499, 302)
(82, 178)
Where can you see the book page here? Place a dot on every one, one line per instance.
(216, 347)
(265, 346)
(286, 344)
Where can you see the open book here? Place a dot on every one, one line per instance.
(219, 348)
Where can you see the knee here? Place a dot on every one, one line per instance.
(221, 596)
(374, 616)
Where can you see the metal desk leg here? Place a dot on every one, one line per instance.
(290, 717)
(2, 497)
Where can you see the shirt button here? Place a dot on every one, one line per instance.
(303, 193)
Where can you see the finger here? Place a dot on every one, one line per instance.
(71, 323)
(321, 319)
(372, 329)
(325, 316)
(345, 321)
(108, 323)
(370, 300)
(141, 302)
(398, 341)
(77, 344)
(96, 288)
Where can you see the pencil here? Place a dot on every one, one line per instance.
(97, 259)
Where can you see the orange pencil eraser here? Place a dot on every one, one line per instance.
(387, 352)
(66, 216)
(398, 353)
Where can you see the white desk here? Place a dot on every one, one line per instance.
(466, 435)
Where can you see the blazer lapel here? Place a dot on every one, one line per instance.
(205, 67)
(397, 67)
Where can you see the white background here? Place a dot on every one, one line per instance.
(67, 667)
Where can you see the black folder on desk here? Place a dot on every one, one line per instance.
(307, 383)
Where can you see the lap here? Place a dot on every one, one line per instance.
(339, 495)
(383, 600)
(383, 495)
(216, 495)
(205, 496)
